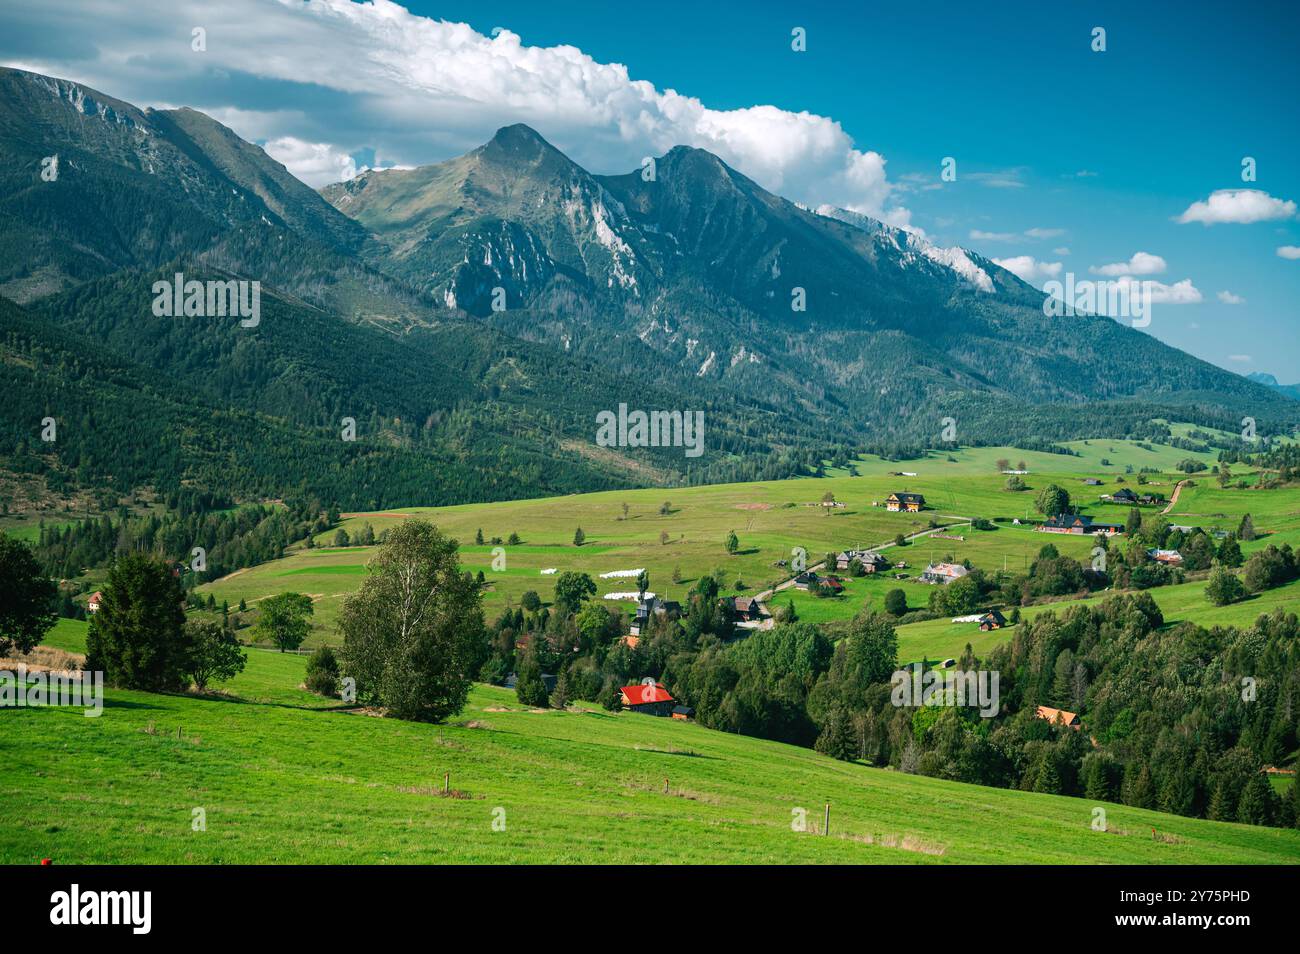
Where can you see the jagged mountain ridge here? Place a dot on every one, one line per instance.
(701, 264)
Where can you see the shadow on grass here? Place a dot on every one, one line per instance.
(110, 703)
(240, 700)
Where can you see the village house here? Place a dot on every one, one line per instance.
(647, 699)
(653, 606)
(943, 573)
(1123, 495)
(749, 612)
(548, 681)
(910, 503)
(1077, 523)
(683, 712)
(871, 560)
(1167, 557)
(92, 604)
(1092, 481)
(1059, 717)
(992, 620)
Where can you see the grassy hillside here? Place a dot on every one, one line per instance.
(283, 779)
(771, 518)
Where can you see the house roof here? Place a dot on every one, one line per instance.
(993, 616)
(1057, 715)
(947, 569)
(643, 695)
(862, 556)
(1123, 494)
(1082, 521)
(906, 497)
(683, 710)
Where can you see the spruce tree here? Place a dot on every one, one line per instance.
(1258, 802)
(836, 739)
(137, 638)
(1141, 791)
(1048, 780)
(1223, 806)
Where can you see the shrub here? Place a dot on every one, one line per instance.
(323, 672)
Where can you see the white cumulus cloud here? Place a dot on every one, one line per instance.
(1228, 298)
(1289, 251)
(1029, 269)
(1179, 293)
(1142, 263)
(348, 78)
(1238, 205)
(315, 163)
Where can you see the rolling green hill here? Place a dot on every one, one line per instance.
(283, 779)
(770, 519)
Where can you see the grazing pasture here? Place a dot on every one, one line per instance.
(280, 776)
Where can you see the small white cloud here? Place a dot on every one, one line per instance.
(1242, 206)
(315, 163)
(1228, 298)
(1002, 179)
(1085, 174)
(1142, 263)
(1240, 358)
(1179, 293)
(1289, 251)
(1063, 250)
(1015, 236)
(1028, 269)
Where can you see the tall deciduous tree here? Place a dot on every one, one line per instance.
(572, 588)
(413, 634)
(283, 621)
(1052, 500)
(214, 653)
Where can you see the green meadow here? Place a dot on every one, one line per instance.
(682, 531)
(279, 776)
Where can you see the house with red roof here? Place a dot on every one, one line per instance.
(647, 698)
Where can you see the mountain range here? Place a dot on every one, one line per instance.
(474, 316)
(1290, 390)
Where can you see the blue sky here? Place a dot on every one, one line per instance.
(1068, 160)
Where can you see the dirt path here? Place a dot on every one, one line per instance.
(1173, 498)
